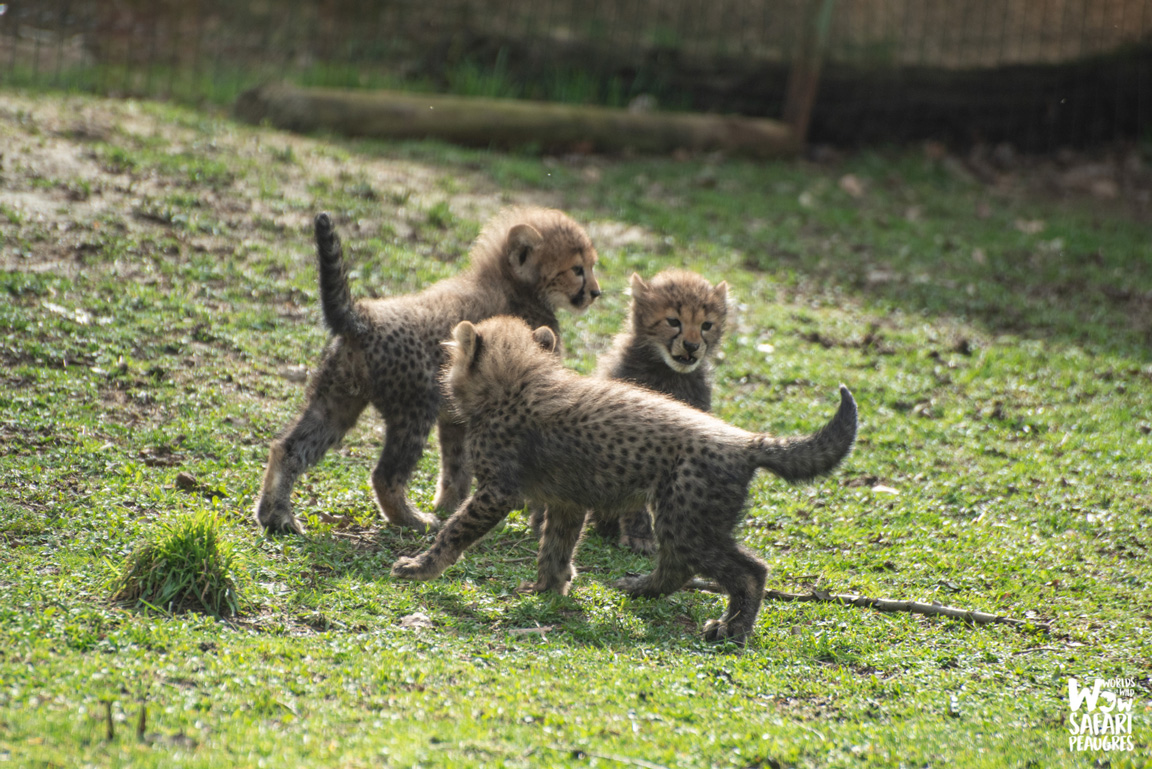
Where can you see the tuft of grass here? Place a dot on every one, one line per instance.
(191, 566)
(12, 215)
(440, 215)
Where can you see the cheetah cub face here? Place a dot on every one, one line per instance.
(561, 269)
(681, 315)
(571, 281)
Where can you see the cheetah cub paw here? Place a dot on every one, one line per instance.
(276, 517)
(638, 544)
(557, 584)
(717, 630)
(419, 568)
(638, 587)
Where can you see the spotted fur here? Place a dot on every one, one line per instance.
(676, 324)
(537, 430)
(527, 262)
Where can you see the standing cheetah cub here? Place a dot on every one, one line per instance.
(527, 262)
(676, 325)
(537, 430)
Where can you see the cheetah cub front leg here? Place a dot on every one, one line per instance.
(479, 514)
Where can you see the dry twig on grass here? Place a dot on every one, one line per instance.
(882, 604)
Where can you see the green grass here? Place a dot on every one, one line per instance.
(150, 330)
(220, 82)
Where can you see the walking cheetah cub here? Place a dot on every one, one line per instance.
(527, 262)
(537, 430)
(676, 325)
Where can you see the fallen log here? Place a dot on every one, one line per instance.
(505, 123)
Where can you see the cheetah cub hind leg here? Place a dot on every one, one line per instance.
(455, 474)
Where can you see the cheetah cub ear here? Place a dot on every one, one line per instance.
(639, 287)
(721, 293)
(545, 338)
(467, 341)
(523, 240)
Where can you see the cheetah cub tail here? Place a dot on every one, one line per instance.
(340, 314)
(802, 459)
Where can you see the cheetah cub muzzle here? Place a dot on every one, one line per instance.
(527, 262)
(540, 431)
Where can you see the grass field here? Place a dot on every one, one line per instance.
(158, 311)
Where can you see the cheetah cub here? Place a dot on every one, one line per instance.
(538, 430)
(677, 322)
(527, 262)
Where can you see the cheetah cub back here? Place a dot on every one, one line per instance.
(527, 262)
(539, 431)
(676, 324)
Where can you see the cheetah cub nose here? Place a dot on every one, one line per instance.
(595, 293)
(691, 346)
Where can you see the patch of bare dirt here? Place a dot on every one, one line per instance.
(71, 187)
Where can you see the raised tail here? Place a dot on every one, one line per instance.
(804, 458)
(340, 314)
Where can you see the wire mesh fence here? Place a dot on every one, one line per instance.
(1042, 74)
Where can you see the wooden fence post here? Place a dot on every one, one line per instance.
(804, 77)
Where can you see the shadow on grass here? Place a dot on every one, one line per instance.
(494, 569)
(1076, 306)
(575, 621)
